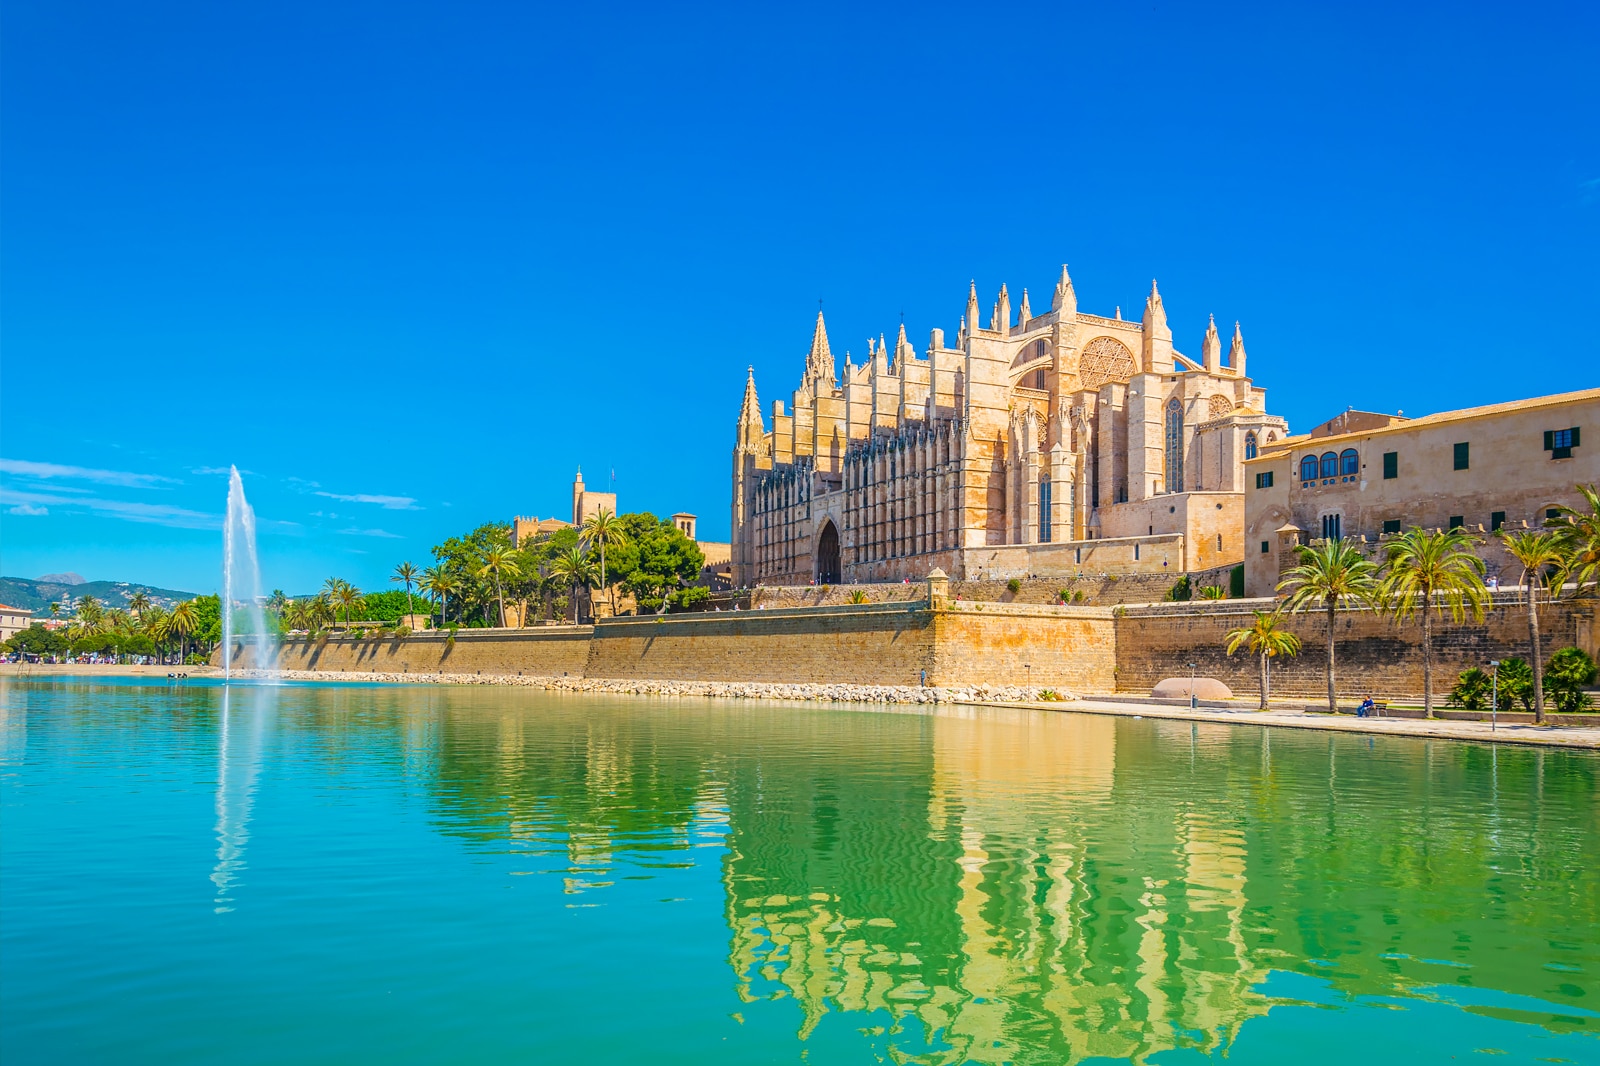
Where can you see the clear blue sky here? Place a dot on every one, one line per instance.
(407, 265)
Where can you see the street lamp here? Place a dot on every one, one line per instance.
(1194, 701)
(1494, 695)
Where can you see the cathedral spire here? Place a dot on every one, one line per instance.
(1022, 312)
(902, 347)
(819, 364)
(1001, 322)
(1236, 352)
(972, 308)
(1157, 337)
(1065, 299)
(1211, 349)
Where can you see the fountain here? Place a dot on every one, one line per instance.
(241, 576)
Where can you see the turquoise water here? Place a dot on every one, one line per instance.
(431, 874)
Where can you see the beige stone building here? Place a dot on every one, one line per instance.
(1057, 443)
(716, 574)
(13, 620)
(1365, 476)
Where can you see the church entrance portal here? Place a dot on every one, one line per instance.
(828, 555)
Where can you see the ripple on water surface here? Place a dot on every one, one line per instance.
(334, 872)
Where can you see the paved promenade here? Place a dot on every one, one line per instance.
(1564, 737)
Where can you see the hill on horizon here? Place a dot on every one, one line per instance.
(37, 594)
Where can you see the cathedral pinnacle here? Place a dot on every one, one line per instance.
(1236, 351)
(1211, 348)
(1065, 299)
(1022, 312)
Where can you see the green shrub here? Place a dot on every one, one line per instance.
(1180, 589)
(858, 596)
(1569, 673)
(1236, 582)
(1049, 695)
(1516, 684)
(1213, 592)
(1077, 596)
(1471, 691)
(684, 599)
(1014, 586)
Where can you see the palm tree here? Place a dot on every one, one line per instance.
(1330, 572)
(184, 620)
(277, 602)
(55, 609)
(1426, 571)
(574, 570)
(1541, 556)
(407, 573)
(599, 530)
(345, 595)
(1578, 531)
(495, 562)
(1266, 638)
(139, 603)
(447, 585)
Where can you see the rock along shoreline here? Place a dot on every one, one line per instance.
(754, 690)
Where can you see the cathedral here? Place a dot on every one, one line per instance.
(1043, 445)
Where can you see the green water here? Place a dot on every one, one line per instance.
(440, 874)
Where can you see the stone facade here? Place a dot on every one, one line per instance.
(1365, 476)
(1010, 453)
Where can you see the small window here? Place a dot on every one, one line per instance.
(1330, 527)
(1136, 551)
(1463, 456)
(1264, 480)
(1391, 465)
(1457, 521)
(1391, 525)
(1496, 520)
(1219, 542)
(1308, 468)
(1560, 442)
(1349, 462)
(1266, 546)
(1330, 465)
(1552, 514)
(1250, 446)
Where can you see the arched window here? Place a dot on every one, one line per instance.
(1249, 445)
(1330, 465)
(1349, 462)
(1308, 468)
(1174, 445)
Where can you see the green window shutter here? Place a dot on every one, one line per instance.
(1549, 439)
(1574, 436)
(1463, 456)
(1391, 465)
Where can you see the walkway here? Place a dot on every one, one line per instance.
(1564, 737)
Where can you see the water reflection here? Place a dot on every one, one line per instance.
(999, 887)
(242, 719)
(963, 886)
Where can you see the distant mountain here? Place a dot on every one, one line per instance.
(37, 595)
(69, 578)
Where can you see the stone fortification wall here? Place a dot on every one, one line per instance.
(871, 644)
(1077, 649)
(548, 651)
(1071, 648)
(1375, 656)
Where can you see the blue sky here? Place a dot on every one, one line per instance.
(407, 265)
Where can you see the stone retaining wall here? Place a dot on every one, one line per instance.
(1374, 655)
(1083, 649)
(544, 650)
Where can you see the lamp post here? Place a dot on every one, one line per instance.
(1494, 695)
(1194, 701)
